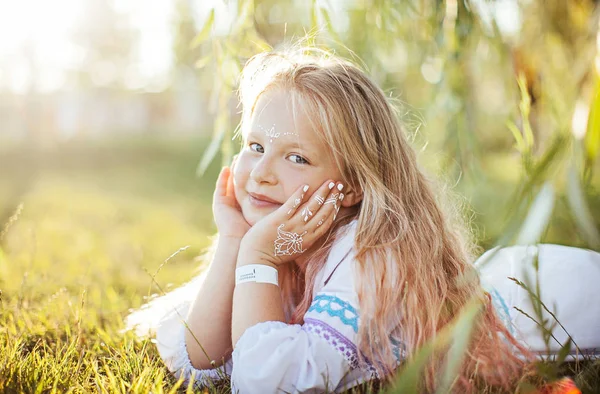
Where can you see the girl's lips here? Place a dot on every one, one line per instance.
(261, 203)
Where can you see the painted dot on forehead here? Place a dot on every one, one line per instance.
(270, 133)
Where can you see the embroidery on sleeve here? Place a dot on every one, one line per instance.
(336, 307)
(342, 344)
(336, 339)
(502, 310)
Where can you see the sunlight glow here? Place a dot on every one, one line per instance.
(39, 47)
(34, 44)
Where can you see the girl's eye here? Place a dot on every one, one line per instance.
(257, 147)
(299, 159)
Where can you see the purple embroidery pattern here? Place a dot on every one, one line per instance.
(342, 344)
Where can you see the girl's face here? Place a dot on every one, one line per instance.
(278, 156)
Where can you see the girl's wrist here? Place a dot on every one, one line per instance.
(248, 256)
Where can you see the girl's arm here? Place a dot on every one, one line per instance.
(321, 355)
(255, 303)
(209, 319)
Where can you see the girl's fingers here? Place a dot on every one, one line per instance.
(292, 204)
(328, 212)
(222, 180)
(316, 201)
(230, 190)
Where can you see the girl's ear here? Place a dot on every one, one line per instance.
(351, 198)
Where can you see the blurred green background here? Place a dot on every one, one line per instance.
(115, 117)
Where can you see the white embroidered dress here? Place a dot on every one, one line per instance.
(275, 357)
(321, 355)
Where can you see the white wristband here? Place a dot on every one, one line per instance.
(259, 273)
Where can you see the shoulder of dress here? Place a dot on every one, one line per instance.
(340, 261)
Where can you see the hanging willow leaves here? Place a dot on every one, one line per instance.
(328, 24)
(580, 210)
(538, 216)
(221, 125)
(203, 34)
(592, 136)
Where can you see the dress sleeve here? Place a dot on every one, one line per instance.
(170, 342)
(318, 356)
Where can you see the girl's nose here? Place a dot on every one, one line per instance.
(264, 171)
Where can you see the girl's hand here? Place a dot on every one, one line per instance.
(226, 210)
(289, 231)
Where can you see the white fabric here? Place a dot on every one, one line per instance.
(170, 342)
(569, 279)
(151, 315)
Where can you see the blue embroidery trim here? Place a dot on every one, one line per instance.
(399, 349)
(499, 300)
(323, 303)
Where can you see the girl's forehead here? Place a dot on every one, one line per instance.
(277, 115)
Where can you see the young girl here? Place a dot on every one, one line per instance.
(335, 260)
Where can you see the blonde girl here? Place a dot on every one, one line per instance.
(335, 259)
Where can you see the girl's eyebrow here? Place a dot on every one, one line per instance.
(295, 144)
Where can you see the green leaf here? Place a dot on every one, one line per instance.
(314, 18)
(199, 39)
(564, 351)
(538, 216)
(410, 376)
(246, 12)
(549, 160)
(581, 211)
(461, 335)
(203, 61)
(526, 388)
(525, 108)
(518, 137)
(215, 143)
(592, 136)
(408, 380)
(328, 24)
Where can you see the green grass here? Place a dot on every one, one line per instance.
(96, 221)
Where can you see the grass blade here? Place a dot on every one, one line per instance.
(581, 211)
(538, 216)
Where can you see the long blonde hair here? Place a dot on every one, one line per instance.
(411, 249)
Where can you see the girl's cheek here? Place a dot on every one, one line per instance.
(240, 175)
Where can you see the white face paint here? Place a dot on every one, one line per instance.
(271, 133)
(288, 243)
